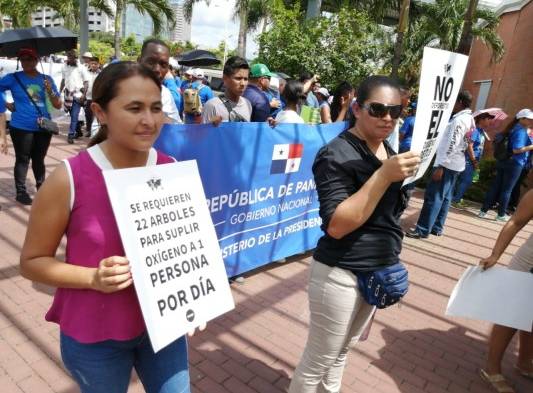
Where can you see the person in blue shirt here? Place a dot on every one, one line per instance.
(255, 92)
(204, 92)
(187, 82)
(170, 83)
(473, 154)
(406, 130)
(3, 134)
(515, 194)
(508, 171)
(29, 141)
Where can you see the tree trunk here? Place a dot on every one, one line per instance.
(118, 26)
(466, 36)
(243, 30)
(313, 9)
(402, 28)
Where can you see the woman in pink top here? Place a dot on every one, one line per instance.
(103, 335)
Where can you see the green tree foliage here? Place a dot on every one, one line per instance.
(130, 49)
(440, 25)
(178, 48)
(102, 50)
(69, 10)
(159, 11)
(347, 45)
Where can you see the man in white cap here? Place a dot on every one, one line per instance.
(188, 79)
(322, 95)
(86, 58)
(195, 97)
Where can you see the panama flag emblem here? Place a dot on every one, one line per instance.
(286, 158)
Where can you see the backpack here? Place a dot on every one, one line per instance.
(501, 147)
(192, 103)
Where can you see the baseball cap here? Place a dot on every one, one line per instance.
(323, 91)
(525, 114)
(198, 73)
(27, 52)
(258, 70)
(189, 71)
(88, 54)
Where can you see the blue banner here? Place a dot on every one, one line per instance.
(258, 183)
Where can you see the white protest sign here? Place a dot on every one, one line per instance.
(440, 81)
(170, 241)
(498, 295)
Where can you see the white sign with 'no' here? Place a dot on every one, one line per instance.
(440, 81)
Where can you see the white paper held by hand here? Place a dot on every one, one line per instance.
(497, 295)
(172, 246)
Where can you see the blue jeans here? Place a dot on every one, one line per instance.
(74, 115)
(437, 199)
(507, 174)
(105, 367)
(464, 181)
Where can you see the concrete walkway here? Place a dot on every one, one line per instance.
(255, 348)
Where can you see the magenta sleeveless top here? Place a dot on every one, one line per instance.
(86, 315)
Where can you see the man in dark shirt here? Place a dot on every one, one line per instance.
(255, 92)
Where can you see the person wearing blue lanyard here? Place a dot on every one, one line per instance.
(474, 151)
(34, 94)
(508, 170)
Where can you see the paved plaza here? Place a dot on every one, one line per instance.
(254, 349)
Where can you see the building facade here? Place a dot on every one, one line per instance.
(509, 83)
(182, 30)
(141, 27)
(98, 21)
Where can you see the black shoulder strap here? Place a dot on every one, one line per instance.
(226, 103)
(225, 100)
(28, 94)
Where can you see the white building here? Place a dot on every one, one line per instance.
(182, 30)
(98, 21)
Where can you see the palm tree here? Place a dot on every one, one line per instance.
(466, 36)
(19, 11)
(241, 12)
(159, 11)
(69, 11)
(441, 25)
(402, 28)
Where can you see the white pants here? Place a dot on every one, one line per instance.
(338, 318)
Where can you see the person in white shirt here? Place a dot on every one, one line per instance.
(93, 69)
(449, 163)
(294, 96)
(74, 84)
(231, 106)
(155, 55)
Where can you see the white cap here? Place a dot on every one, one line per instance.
(189, 71)
(323, 91)
(525, 114)
(198, 73)
(88, 54)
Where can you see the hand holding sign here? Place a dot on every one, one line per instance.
(441, 78)
(112, 275)
(400, 166)
(171, 243)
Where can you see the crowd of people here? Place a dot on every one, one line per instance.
(358, 177)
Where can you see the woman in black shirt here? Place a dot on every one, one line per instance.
(358, 178)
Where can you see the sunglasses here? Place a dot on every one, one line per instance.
(376, 109)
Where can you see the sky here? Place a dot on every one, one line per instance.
(211, 24)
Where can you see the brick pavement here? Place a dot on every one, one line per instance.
(255, 348)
